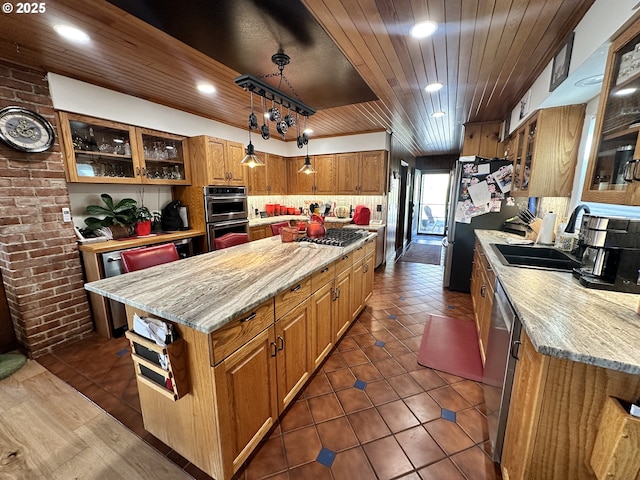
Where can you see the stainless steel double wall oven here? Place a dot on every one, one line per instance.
(226, 211)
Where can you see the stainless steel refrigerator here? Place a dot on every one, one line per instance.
(474, 180)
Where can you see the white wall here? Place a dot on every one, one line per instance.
(604, 20)
(80, 97)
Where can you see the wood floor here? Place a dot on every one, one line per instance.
(48, 430)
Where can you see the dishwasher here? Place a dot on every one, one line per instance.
(500, 366)
(112, 265)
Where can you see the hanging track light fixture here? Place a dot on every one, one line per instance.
(277, 97)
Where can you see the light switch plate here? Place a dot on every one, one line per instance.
(66, 214)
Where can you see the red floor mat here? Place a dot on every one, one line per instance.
(451, 345)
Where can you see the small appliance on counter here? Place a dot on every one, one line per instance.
(610, 251)
(362, 215)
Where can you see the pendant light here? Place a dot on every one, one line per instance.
(307, 167)
(251, 160)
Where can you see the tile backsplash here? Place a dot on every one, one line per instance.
(258, 202)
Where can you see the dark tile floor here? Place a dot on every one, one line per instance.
(370, 412)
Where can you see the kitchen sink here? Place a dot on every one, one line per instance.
(546, 258)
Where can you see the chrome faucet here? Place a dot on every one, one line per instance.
(571, 224)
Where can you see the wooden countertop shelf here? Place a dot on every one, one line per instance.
(131, 242)
(172, 382)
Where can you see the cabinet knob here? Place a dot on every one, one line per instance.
(296, 288)
(483, 291)
(137, 171)
(281, 341)
(275, 349)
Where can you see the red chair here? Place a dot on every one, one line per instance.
(276, 227)
(146, 257)
(230, 239)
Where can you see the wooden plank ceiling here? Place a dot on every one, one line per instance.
(486, 53)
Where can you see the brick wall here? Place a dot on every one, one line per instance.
(39, 257)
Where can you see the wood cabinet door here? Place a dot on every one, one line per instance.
(276, 181)
(555, 151)
(342, 313)
(293, 357)
(524, 410)
(369, 267)
(257, 177)
(476, 284)
(325, 177)
(257, 233)
(322, 302)
(357, 296)
(484, 318)
(373, 173)
(347, 173)
(215, 162)
(247, 399)
(482, 139)
(237, 172)
(299, 183)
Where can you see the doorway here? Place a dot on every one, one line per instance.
(432, 206)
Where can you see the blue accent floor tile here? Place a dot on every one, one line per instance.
(393, 317)
(122, 352)
(451, 307)
(448, 415)
(361, 384)
(379, 343)
(326, 457)
(402, 298)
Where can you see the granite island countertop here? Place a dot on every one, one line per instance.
(567, 320)
(207, 291)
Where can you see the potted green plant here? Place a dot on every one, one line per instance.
(143, 218)
(119, 217)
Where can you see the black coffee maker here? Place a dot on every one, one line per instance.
(609, 249)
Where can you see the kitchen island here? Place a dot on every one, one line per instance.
(253, 323)
(579, 354)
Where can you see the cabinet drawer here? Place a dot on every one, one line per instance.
(358, 253)
(291, 297)
(239, 331)
(369, 247)
(344, 263)
(322, 277)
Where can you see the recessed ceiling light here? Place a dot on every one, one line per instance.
(308, 131)
(437, 114)
(423, 29)
(206, 88)
(433, 87)
(625, 91)
(72, 34)
(589, 81)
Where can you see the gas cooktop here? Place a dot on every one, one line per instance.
(337, 237)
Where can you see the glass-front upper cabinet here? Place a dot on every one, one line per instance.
(164, 158)
(526, 136)
(613, 174)
(102, 151)
(98, 151)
